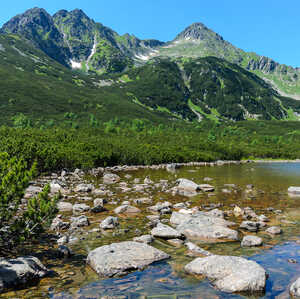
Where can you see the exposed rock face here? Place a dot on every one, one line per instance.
(295, 288)
(20, 272)
(38, 27)
(203, 226)
(264, 64)
(120, 258)
(249, 241)
(165, 232)
(229, 273)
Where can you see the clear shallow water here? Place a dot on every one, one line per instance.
(167, 279)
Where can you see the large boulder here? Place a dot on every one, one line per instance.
(120, 258)
(230, 273)
(295, 288)
(80, 208)
(201, 226)
(20, 272)
(165, 232)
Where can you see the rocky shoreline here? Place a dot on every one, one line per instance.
(101, 200)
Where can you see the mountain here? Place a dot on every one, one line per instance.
(69, 69)
(75, 40)
(199, 41)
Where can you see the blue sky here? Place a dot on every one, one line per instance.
(268, 27)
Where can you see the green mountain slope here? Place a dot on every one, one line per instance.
(207, 88)
(75, 40)
(50, 94)
(199, 41)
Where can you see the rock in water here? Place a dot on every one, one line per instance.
(230, 273)
(249, 241)
(120, 258)
(295, 288)
(201, 225)
(165, 232)
(20, 272)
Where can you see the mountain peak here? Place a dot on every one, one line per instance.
(197, 31)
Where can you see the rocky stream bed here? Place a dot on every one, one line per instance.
(198, 230)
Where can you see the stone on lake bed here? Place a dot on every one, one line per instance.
(295, 288)
(249, 241)
(20, 272)
(121, 258)
(201, 226)
(274, 230)
(230, 273)
(110, 178)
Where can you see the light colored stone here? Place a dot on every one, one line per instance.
(79, 221)
(127, 209)
(120, 258)
(81, 208)
(84, 188)
(230, 273)
(165, 232)
(274, 230)
(249, 241)
(295, 288)
(109, 223)
(196, 250)
(64, 206)
(110, 178)
(147, 239)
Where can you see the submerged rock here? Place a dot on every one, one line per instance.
(295, 288)
(203, 226)
(230, 273)
(20, 272)
(274, 230)
(120, 258)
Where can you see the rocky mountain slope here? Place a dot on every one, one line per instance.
(75, 40)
